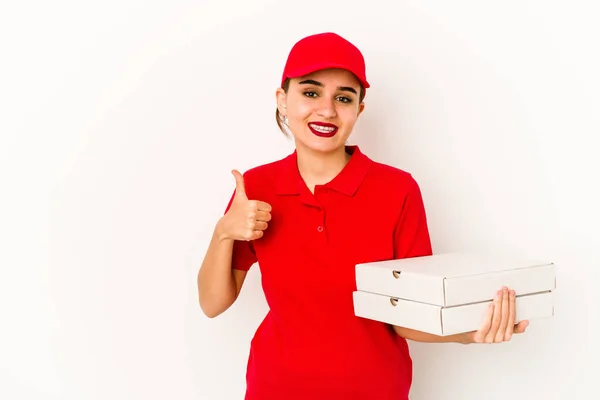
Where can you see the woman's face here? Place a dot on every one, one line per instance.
(321, 108)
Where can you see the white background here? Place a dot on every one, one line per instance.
(121, 120)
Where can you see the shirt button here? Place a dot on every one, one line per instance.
(320, 229)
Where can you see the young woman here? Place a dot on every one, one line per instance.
(307, 220)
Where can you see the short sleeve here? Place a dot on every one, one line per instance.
(243, 256)
(411, 236)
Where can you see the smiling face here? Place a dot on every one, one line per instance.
(321, 109)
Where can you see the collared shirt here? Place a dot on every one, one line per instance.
(310, 345)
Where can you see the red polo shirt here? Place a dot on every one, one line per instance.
(310, 345)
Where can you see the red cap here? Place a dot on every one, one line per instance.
(321, 51)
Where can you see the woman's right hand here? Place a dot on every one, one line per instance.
(246, 219)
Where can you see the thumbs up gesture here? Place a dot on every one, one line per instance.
(245, 219)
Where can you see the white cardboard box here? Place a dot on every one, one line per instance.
(443, 321)
(454, 278)
(447, 293)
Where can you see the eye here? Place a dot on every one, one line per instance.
(310, 94)
(344, 99)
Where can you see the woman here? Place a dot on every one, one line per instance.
(307, 220)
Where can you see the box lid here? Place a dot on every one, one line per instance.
(454, 278)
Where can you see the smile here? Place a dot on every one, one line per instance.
(323, 129)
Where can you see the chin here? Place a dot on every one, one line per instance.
(324, 145)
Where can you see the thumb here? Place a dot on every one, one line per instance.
(240, 188)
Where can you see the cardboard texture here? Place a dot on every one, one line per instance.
(448, 293)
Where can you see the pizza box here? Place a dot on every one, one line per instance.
(452, 279)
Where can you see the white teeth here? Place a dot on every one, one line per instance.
(322, 129)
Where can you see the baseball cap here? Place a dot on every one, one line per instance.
(321, 51)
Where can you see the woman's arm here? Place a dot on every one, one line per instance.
(419, 336)
(224, 269)
(218, 284)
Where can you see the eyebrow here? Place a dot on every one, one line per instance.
(317, 83)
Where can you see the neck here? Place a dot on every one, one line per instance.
(317, 168)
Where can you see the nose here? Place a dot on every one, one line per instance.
(326, 108)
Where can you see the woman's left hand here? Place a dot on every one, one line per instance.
(499, 322)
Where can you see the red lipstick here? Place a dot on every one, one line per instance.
(323, 129)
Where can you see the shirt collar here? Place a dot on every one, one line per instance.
(289, 181)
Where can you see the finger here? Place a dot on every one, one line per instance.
(240, 187)
(257, 205)
(260, 226)
(521, 326)
(503, 317)
(263, 216)
(262, 206)
(486, 323)
(252, 234)
(253, 224)
(495, 318)
(511, 316)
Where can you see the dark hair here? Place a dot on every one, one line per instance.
(285, 87)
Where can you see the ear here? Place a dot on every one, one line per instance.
(361, 108)
(281, 98)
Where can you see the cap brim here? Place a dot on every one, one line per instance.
(300, 72)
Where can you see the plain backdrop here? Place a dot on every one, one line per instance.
(120, 122)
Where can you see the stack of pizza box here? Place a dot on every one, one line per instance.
(445, 294)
